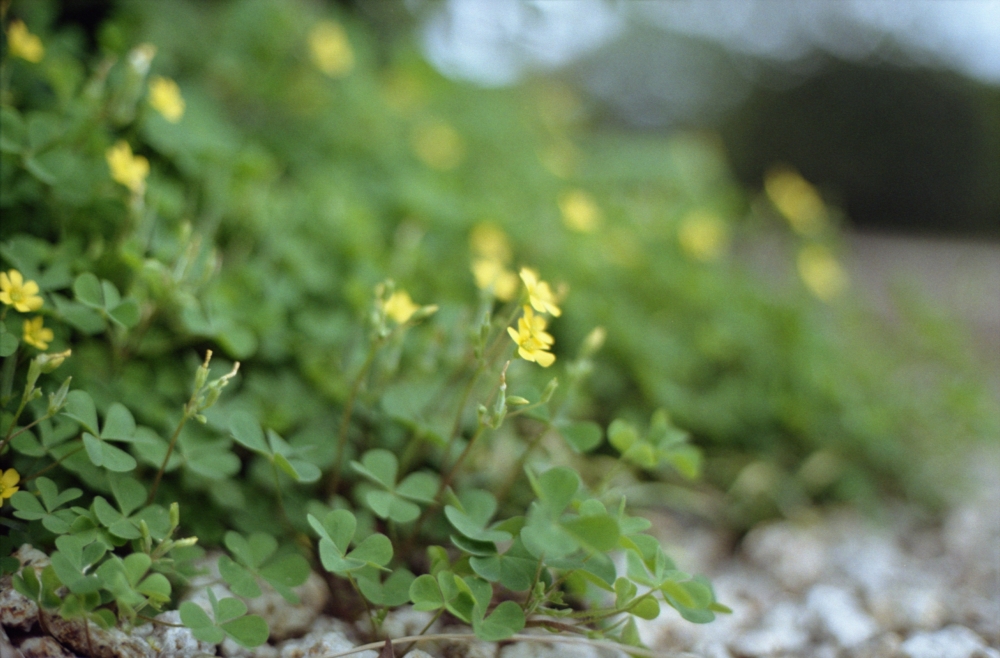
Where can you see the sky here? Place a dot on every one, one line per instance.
(495, 42)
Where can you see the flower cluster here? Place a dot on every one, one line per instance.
(533, 342)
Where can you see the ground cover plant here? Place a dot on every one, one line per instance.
(211, 250)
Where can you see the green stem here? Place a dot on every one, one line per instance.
(170, 450)
(345, 420)
(368, 608)
(52, 465)
(423, 630)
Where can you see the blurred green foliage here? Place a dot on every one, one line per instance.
(300, 175)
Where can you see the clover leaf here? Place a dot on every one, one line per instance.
(336, 533)
(230, 618)
(255, 558)
(396, 502)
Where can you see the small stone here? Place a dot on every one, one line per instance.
(170, 640)
(418, 653)
(406, 621)
(231, 649)
(525, 649)
(460, 648)
(951, 642)
(17, 612)
(44, 647)
(781, 632)
(838, 615)
(880, 646)
(794, 555)
(314, 645)
(285, 619)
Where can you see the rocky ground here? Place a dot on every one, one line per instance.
(839, 586)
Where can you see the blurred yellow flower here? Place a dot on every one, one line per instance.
(493, 276)
(8, 483)
(400, 306)
(22, 43)
(532, 340)
(127, 169)
(579, 211)
(797, 200)
(821, 272)
(36, 334)
(488, 241)
(539, 293)
(330, 49)
(703, 235)
(21, 294)
(438, 145)
(165, 97)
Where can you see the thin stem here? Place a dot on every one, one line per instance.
(23, 429)
(52, 465)
(170, 450)
(368, 608)
(345, 420)
(423, 630)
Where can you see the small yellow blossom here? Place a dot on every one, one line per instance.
(533, 342)
(539, 293)
(400, 307)
(703, 235)
(797, 200)
(165, 97)
(22, 43)
(821, 272)
(128, 169)
(330, 49)
(21, 294)
(489, 242)
(493, 276)
(438, 145)
(8, 483)
(579, 211)
(37, 335)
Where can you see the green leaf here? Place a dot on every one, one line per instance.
(391, 593)
(128, 493)
(228, 609)
(87, 289)
(473, 528)
(286, 572)
(647, 608)
(380, 466)
(118, 423)
(8, 343)
(247, 432)
(506, 620)
(556, 487)
(241, 582)
(156, 587)
(387, 505)
(598, 532)
(27, 506)
(426, 593)
(136, 566)
(126, 314)
(297, 469)
(115, 459)
(583, 436)
(542, 537)
(622, 435)
(201, 625)
(421, 486)
(375, 549)
(250, 631)
(514, 569)
(338, 526)
(80, 407)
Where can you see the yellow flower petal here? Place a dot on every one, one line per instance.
(165, 97)
(127, 169)
(703, 236)
(36, 335)
(22, 43)
(8, 483)
(330, 49)
(797, 200)
(579, 211)
(21, 294)
(821, 272)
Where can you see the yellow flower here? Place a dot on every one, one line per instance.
(491, 275)
(21, 294)
(489, 242)
(539, 293)
(400, 307)
(22, 43)
(821, 272)
(579, 211)
(797, 200)
(532, 340)
(703, 235)
(8, 483)
(127, 169)
(330, 49)
(438, 145)
(165, 97)
(37, 335)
